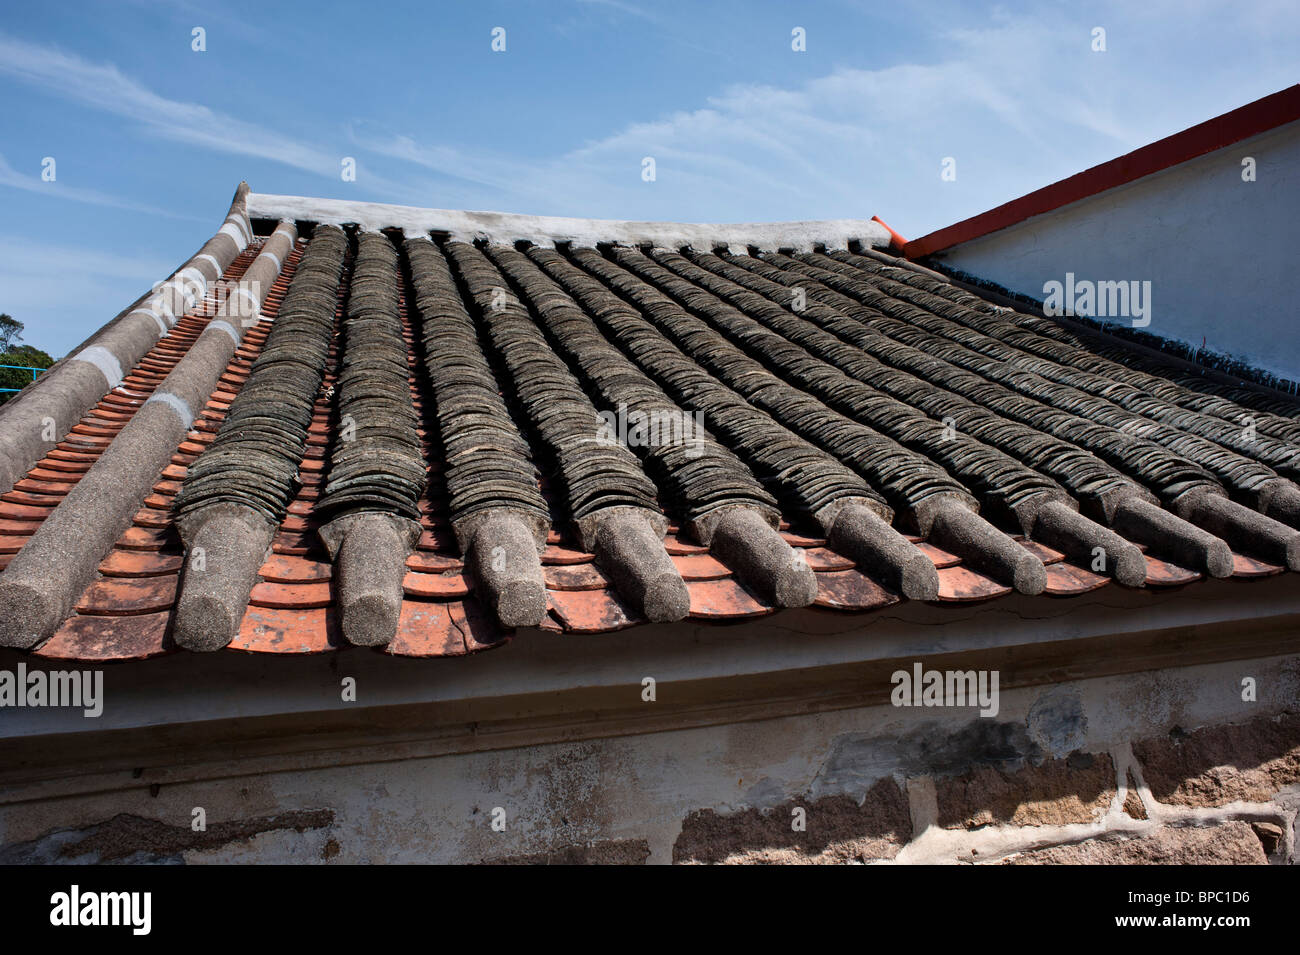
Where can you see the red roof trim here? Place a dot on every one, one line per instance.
(896, 241)
(1260, 116)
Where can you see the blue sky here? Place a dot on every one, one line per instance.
(150, 137)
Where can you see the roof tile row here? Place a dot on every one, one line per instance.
(874, 388)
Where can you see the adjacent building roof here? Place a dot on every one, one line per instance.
(422, 431)
(1270, 112)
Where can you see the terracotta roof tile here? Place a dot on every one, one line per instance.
(961, 585)
(127, 596)
(858, 381)
(1163, 574)
(109, 639)
(852, 590)
(724, 599)
(585, 611)
(1067, 580)
(288, 630)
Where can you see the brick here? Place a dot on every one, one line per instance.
(1058, 791)
(1246, 762)
(838, 830)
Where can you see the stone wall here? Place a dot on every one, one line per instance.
(1167, 766)
(1219, 795)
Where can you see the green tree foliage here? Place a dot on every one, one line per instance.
(11, 353)
(11, 330)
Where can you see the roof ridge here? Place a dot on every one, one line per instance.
(510, 227)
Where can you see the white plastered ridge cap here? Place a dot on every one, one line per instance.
(504, 228)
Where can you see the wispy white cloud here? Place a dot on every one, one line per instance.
(20, 255)
(193, 13)
(669, 26)
(1018, 100)
(631, 9)
(11, 177)
(103, 87)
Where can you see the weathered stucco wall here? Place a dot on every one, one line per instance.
(1160, 766)
(1219, 252)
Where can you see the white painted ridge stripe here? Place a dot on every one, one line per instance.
(225, 327)
(194, 277)
(239, 224)
(234, 232)
(216, 266)
(249, 316)
(105, 361)
(176, 403)
(180, 287)
(161, 304)
(274, 258)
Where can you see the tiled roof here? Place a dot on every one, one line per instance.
(422, 442)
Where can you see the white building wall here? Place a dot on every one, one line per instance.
(1221, 253)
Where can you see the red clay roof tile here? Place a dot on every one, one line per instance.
(125, 614)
